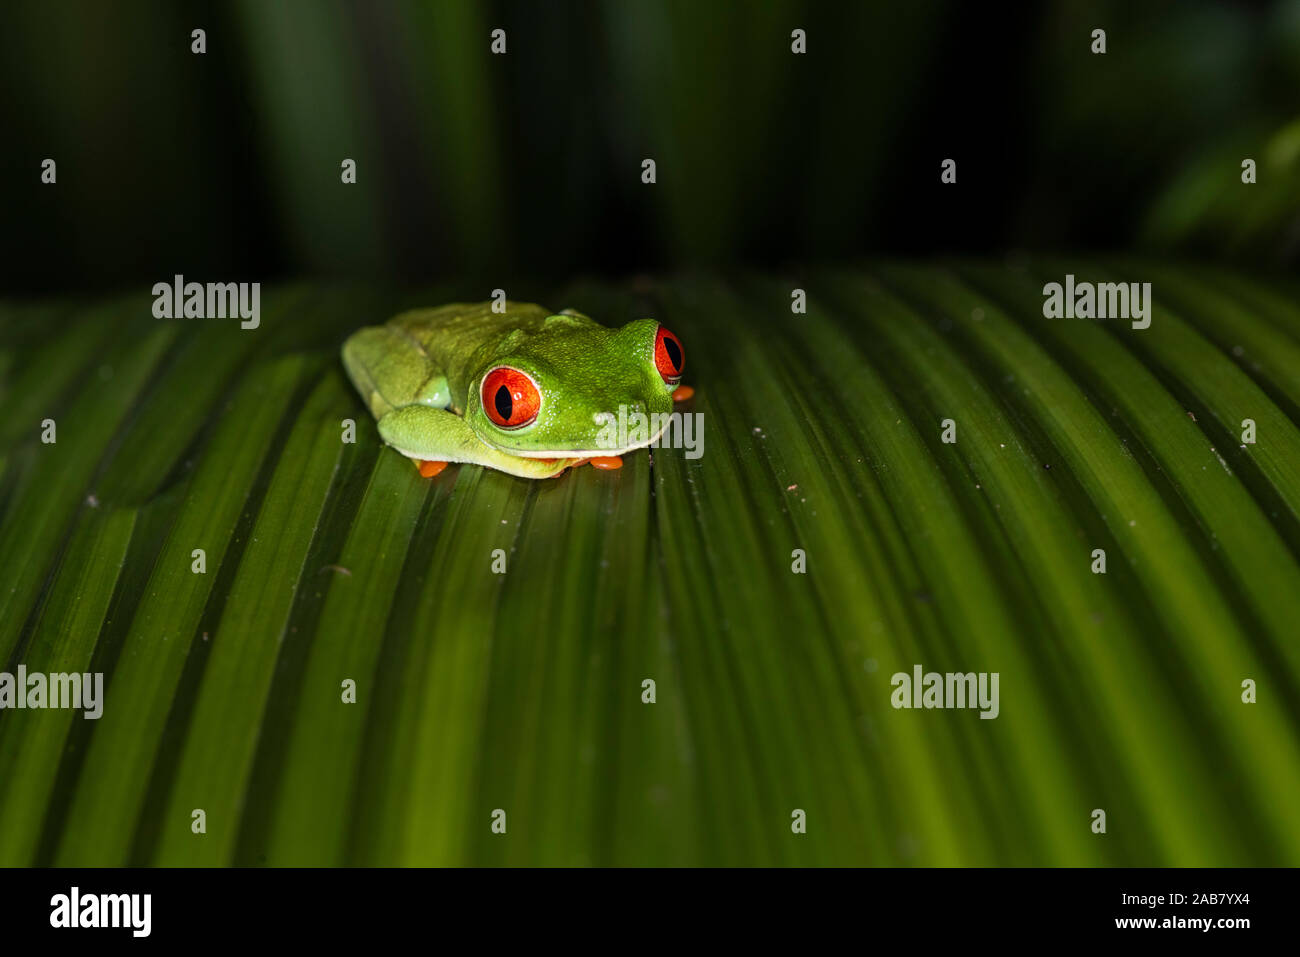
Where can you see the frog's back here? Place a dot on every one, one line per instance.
(452, 336)
(462, 325)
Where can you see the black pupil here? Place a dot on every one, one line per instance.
(674, 352)
(505, 405)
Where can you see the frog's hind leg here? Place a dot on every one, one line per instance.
(435, 435)
(391, 369)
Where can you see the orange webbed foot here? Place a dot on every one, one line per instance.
(429, 469)
(682, 393)
(606, 462)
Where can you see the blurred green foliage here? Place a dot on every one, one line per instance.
(530, 162)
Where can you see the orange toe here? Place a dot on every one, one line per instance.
(606, 462)
(682, 393)
(429, 469)
(579, 462)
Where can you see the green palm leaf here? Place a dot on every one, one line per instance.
(328, 562)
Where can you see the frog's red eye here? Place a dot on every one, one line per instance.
(670, 357)
(510, 398)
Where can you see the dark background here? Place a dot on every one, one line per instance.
(227, 165)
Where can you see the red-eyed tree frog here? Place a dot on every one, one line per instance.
(524, 390)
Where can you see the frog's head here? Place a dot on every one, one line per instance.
(551, 393)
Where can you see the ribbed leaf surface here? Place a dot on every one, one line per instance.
(328, 562)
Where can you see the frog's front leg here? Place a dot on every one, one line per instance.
(435, 435)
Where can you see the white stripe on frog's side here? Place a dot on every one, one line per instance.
(579, 454)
